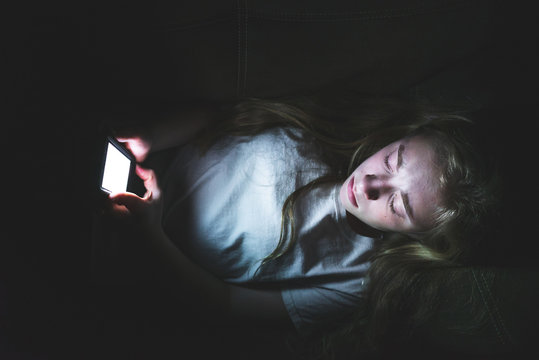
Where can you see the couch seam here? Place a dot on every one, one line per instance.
(245, 46)
(241, 46)
(505, 332)
(487, 305)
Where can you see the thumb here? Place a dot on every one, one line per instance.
(132, 202)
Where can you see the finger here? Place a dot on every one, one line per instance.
(143, 173)
(128, 143)
(137, 145)
(150, 182)
(132, 202)
(128, 138)
(119, 211)
(115, 211)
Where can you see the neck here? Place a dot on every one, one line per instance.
(361, 228)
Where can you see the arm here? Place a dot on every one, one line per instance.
(188, 283)
(170, 129)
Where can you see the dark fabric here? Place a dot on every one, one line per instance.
(488, 312)
(448, 51)
(228, 49)
(63, 61)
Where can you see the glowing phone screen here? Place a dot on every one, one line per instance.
(116, 171)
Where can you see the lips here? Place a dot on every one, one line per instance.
(351, 196)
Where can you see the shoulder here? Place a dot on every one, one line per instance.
(271, 142)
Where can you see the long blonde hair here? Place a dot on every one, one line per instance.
(352, 128)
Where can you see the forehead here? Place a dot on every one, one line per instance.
(418, 147)
(421, 169)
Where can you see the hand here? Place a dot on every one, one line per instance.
(139, 146)
(135, 234)
(146, 211)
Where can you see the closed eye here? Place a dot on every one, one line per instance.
(392, 206)
(399, 151)
(386, 162)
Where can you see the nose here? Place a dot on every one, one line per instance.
(374, 186)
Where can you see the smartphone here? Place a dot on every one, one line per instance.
(118, 167)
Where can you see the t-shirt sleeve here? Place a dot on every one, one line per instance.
(312, 307)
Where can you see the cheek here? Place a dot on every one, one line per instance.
(380, 216)
(372, 214)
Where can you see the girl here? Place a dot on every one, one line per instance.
(307, 216)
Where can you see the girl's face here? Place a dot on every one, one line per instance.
(396, 189)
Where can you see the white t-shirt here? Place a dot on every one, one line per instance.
(223, 209)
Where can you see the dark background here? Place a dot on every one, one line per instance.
(61, 69)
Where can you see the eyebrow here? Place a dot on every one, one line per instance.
(405, 198)
(399, 156)
(407, 207)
